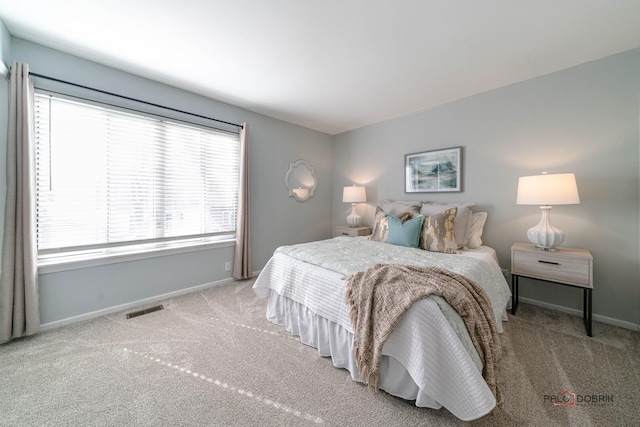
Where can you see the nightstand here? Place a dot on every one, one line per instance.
(345, 230)
(564, 266)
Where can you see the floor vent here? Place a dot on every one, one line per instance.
(144, 311)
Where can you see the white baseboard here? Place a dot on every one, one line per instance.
(129, 305)
(603, 319)
(133, 304)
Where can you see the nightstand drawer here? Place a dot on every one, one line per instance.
(552, 267)
(351, 231)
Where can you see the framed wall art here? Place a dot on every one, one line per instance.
(433, 171)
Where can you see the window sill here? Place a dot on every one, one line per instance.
(54, 264)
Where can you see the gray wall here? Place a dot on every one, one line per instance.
(5, 58)
(5, 45)
(276, 218)
(583, 120)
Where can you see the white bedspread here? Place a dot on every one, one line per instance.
(425, 351)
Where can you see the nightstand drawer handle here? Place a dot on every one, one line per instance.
(549, 262)
(344, 234)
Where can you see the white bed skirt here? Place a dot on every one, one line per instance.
(332, 340)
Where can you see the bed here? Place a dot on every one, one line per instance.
(429, 358)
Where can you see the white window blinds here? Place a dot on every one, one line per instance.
(106, 177)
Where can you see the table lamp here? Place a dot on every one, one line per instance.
(546, 190)
(354, 195)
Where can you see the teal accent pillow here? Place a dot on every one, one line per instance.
(404, 233)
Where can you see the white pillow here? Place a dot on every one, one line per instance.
(476, 226)
(398, 207)
(461, 222)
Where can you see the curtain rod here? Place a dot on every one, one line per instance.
(130, 99)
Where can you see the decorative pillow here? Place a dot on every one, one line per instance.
(404, 233)
(381, 224)
(438, 233)
(399, 207)
(476, 226)
(462, 218)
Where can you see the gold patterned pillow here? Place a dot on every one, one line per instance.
(381, 224)
(438, 234)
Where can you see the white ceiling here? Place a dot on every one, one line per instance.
(331, 65)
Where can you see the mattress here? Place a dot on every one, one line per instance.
(429, 357)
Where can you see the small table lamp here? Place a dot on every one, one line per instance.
(545, 190)
(354, 195)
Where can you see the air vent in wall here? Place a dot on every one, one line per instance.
(144, 311)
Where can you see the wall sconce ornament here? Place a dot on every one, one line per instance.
(301, 180)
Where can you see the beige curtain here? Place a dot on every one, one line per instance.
(242, 258)
(19, 305)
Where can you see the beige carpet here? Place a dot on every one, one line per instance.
(211, 358)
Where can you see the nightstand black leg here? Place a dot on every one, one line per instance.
(587, 311)
(514, 293)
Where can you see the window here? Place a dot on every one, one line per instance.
(111, 181)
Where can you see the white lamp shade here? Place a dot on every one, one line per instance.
(354, 194)
(554, 189)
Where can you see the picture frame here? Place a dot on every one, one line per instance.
(433, 171)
